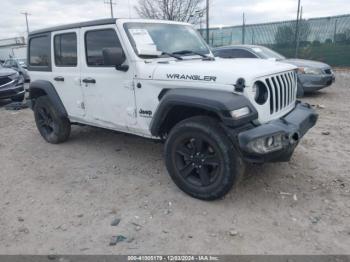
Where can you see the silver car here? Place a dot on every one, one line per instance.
(20, 65)
(312, 75)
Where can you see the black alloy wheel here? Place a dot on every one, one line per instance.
(201, 159)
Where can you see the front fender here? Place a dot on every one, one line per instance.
(218, 102)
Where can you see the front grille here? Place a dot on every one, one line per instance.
(4, 80)
(328, 71)
(282, 89)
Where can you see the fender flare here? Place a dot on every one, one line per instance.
(218, 102)
(39, 88)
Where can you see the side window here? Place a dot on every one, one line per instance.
(240, 53)
(65, 47)
(235, 53)
(224, 53)
(39, 51)
(14, 64)
(95, 42)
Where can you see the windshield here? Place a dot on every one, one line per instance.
(267, 53)
(166, 38)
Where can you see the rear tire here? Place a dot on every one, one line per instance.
(201, 159)
(53, 128)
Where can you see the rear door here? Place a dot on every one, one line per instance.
(66, 71)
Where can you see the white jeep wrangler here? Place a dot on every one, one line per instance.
(159, 79)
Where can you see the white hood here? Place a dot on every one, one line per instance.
(220, 71)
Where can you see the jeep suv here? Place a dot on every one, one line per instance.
(159, 79)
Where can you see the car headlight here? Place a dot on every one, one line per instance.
(310, 71)
(239, 113)
(14, 76)
(20, 79)
(261, 93)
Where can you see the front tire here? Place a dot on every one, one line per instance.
(53, 128)
(201, 159)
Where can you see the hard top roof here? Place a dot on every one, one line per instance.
(75, 25)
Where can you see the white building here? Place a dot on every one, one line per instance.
(13, 47)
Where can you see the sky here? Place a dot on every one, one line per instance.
(46, 13)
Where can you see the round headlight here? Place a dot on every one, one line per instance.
(261, 93)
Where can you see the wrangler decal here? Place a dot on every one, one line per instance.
(192, 77)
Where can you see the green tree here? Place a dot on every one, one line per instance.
(284, 36)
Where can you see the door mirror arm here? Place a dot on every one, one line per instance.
(123, 68)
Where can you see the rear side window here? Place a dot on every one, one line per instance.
(39, 52)
(96, 41)
(234, 53)
(65, 46)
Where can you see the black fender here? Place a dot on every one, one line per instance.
(217, 102)
(41, 87)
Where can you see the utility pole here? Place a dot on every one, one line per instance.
(110, 3)
(26, 14)
(335, 31)
(298, 36)
(297, 30)
(243, 30)
(208, 24)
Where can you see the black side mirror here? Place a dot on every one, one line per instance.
(115, 56)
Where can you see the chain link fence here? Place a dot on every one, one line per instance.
(325, 39)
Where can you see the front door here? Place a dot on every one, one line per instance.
(66, 71)
(109, 93)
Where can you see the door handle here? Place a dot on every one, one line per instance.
(89, 81)
(59, 78)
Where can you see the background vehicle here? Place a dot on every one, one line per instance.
(19, 65)
(158, 79)
(312, 75)
(11, 84)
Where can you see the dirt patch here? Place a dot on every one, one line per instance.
(66, 198)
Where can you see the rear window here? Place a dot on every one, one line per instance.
(66, 50)
(39, 51)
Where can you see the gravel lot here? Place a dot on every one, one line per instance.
(62, 199)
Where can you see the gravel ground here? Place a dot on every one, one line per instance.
(63, 198)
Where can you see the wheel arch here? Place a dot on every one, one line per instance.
(179, 104)
(40, 88)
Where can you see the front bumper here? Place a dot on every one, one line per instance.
(312, 83)
(292, 128)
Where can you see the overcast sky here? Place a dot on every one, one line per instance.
(223, 12)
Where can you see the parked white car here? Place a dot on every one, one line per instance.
(159, 79)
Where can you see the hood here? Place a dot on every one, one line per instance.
(223, 71)
(6, 71)
(306, 63)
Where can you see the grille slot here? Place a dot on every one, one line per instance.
(5, 80)
(282, 89)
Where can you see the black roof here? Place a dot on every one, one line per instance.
(75, 25)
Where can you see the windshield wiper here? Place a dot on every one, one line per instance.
(185, 52)
(172, 55)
